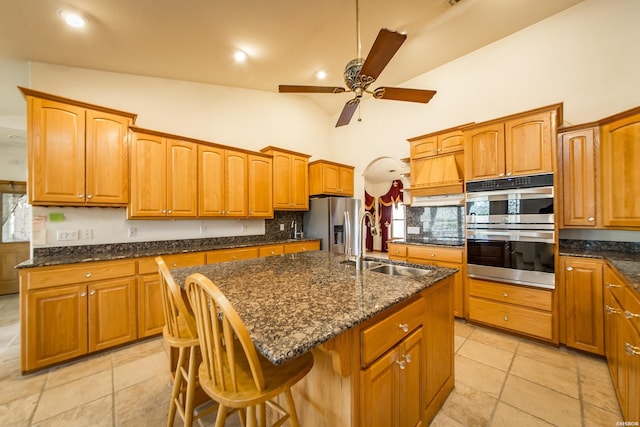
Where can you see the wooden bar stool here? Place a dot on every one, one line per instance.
(232, 372)
(180, 332)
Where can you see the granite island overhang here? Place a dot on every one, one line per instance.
(352, 321)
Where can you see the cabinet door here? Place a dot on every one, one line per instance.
(148, 176)
(450, 142)
(410, 378)
(282, 173)
(300, 182)
(397, 251)
(182, 178)
(112, 313)
(330, 178)
(458, 293)
(583, 304)
(424, 147)
(150, 310)
(577, 151)
(107, 158)
(236, 188)
(346, 181)
(211, 178)
(529, 145)
(629, 376)
(56, 326)
(620, 174)
(56, 152)
(379, 392)
(484, 152)
(612, 315)
(260, 187)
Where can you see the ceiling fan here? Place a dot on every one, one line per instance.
(360, 73)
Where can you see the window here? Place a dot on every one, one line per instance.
(397, 223)
(16, 218)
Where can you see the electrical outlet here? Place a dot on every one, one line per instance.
(67, 235)
(243, 227)
(281, 227)
(87, 234)
(203, 229)
(132, 231)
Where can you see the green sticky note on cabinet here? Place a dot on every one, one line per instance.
(56, 217)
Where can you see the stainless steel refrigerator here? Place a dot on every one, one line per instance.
(335, 221)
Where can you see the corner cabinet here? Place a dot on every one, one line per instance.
(577, 149)
(522, 144)
(330, 179)
(77, 152)
(581, 304)
(620, 175)
(290, 179)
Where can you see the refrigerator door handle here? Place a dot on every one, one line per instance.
(347, 234)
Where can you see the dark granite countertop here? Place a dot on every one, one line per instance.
(115, 251)
(295, 302)
(628, 264)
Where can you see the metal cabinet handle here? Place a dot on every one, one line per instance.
(87, 275)
(175, 264)
(235, 257)
(433, 254)
(401, 363)
(80, 196)
(508, 173)
(83, 294)
(500, 174)
(407, 357)
(92, 292)
(506, 317)
(569, 268)
(613, 285)
(404, 327)
(169, 211)
(630, 315)
(611, 310)
(591, 219)
(89, 196)
(631, 350)
(506, 294)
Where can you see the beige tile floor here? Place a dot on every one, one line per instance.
(501, 380)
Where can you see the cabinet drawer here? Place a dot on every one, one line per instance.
(614, 283)
(528, 297)
(515, 318)
(397, 251)
(149, 266)
(301, 247)
(380, 337)
(224, 255)
(271, 250)
(632, 307)
(429, 253)
(38, 278)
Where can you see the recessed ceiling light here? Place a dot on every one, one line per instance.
(240, 55)
(321, 74)
(73, 19)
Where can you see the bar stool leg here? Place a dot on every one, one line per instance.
(177, 385)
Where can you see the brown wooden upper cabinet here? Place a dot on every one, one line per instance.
(330, 179)
(224, 186)
(163, 177)
(290, 179)
(522, 144)
(620, 174)
(436, 143)
(78, 153)
(578, 177)
(260, 183)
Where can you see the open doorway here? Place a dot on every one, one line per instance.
(16, 231)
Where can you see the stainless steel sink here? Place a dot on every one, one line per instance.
(399, 270)
(366, 264)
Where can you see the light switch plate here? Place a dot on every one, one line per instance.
(413, 230)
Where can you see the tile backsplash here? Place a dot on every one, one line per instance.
(439, 222)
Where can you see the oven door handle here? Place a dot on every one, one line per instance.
(513, 235)
(520, 193)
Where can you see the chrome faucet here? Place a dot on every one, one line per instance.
(363, 239)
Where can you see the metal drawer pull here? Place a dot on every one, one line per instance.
(630, 315)
(591, 219)
(506, 317)
(611, 310)
(92, 292)
(87, 275)
(83, 294)
(631, 350)
(401, 363)
(89, 196)
(404, 327)
(613, 285)
(175, 264)
(569, 268)
(407, 357)
(506, 294)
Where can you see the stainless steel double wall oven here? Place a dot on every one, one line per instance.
(510, 230)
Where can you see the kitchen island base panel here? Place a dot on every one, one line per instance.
(332, 393)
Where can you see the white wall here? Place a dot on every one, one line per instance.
(586, 57)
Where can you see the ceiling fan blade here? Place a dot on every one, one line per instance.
(402, 94)
(347, 112)
(310, 89)
(386, 45)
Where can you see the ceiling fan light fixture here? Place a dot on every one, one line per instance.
(321, 75)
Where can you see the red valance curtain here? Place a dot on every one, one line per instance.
(369, 205)
(385, 210)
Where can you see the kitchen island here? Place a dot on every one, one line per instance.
(382, 344)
